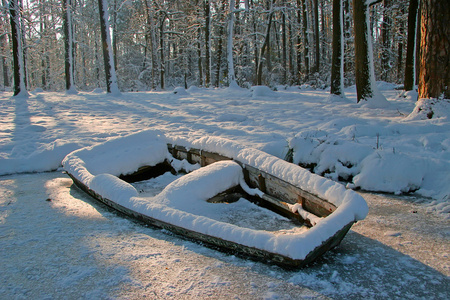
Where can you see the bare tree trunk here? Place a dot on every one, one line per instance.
(162, 68)
(264, 47)
(207, 43)
(110, 71)
(305, 39)
(4, 46)
(231, 74)
(364, 69)
(200, 65)
(18, 58)
(411, 46)
(316, 36)
(385, 40)
(337, 65)
(284, 46)
(68, 45)
(434, 78)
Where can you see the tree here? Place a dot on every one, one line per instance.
(110, 70)
(265, 44)
(411, 46)
(366, 88)
(4, 47)
(231, 74)
(337, 64)
(316, 36)
(434, 75)
(69, 46)
(386, 40)
(18, 57)
(207, 43)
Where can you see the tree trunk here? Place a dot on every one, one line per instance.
(284, 47)
(18, 58)
(299, 43)
(200, 65)
(316, 36)
(385, 40)
(3, 45)
(219, 56)
(305, 39)
(264, 47)
(364, 69)
(410, 63)
(434, 76)
(110, 71)
(337, 64)
(207, 43)
(68, 45)
(231, 75)
(162, 68)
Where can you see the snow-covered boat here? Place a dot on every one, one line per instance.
(219, 174)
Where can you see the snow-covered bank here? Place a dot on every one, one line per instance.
(391, 149)
(57, 242)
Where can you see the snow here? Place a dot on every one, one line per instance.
(73, 245)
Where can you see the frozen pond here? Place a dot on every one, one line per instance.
(58, 242)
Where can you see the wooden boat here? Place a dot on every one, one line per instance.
(324, 210)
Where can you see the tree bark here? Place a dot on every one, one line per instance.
(434, 76)
(316, 36)
(337, 64)
(68, 45)
(364, 70)
(207, 43)
(264, 47)
(231, 74)
(305, 39)
(411, 46)
(385, 40)
(110, 71)
(3, 45)
(18, 58)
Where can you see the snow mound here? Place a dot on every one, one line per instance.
(384, 170)
(262, 91)
(180, 91)
(430, 109)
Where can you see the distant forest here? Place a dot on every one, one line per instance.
(161, 44)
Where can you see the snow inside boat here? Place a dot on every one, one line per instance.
(215, 191)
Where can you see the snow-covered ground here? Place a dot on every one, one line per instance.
(71, 246)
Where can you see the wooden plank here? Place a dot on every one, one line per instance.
(266, 182)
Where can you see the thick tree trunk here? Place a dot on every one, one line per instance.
(337, 64)
(18, 58)
(110, 71)
(434, 77)
(410, 71)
